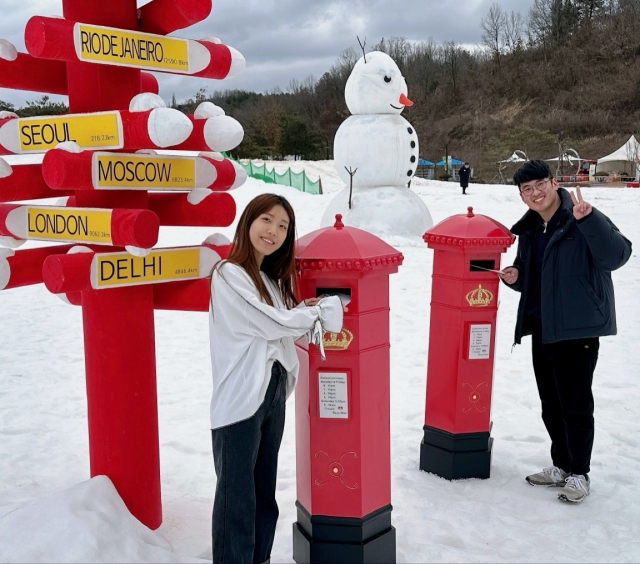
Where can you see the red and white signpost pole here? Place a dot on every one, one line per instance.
(105, 50)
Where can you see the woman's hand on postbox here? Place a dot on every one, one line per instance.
(314, 301)
(509, 274)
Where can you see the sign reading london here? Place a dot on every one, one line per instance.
(102, 130)
(109, 270)
(114, 170)
(111, 46)
(60, 224)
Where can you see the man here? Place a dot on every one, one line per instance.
(465, 174)
(566, 252)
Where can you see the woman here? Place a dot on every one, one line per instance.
(253, 323)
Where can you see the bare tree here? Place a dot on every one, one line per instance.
(493, 28)
(539, 25)
(452, 52)
(513, 28)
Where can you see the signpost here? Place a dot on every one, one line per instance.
(98, 54)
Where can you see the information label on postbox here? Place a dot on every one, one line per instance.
(110, 270)
(111, 170)
(107, 45)
(101, 130)
(479, 341)
(332, 395)
(71, 225)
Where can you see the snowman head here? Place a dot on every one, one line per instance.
(376, 86)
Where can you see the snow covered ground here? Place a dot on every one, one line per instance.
(51, 512)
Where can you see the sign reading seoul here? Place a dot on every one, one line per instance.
(142, 171)
(110, 270)
(101, 130)
(112, 46)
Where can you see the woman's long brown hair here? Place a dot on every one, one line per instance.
(279, 266)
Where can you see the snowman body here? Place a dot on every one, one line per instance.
(383, 149)
(376, 154)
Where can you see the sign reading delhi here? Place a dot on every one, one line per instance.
(110, 270)
(101, 130)
(114, 170)
(111, 46)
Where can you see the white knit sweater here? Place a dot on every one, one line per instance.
(248, 335)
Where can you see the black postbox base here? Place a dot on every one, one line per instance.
(456, 456)
(320, 539)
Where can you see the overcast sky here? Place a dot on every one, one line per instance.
(288, 39)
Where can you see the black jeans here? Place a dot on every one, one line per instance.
(564, 374)
(245, 455)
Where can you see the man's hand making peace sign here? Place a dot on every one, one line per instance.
(580, 207)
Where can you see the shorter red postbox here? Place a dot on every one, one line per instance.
(464, 304)
(342, 404)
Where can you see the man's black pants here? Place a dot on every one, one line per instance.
(245, 455)
(564, 374)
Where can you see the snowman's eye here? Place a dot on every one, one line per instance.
(387, 79)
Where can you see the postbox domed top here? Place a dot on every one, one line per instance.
(345, 248)
(469, 230)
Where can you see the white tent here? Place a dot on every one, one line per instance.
(514, 158)
(623, 160)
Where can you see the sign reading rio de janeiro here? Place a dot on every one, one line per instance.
(109, 270)
(111, 46)
(119, 170)
(102, 130)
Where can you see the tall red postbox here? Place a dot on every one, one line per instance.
(342, 404)
(464, 304)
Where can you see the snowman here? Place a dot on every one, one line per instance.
(376, 154)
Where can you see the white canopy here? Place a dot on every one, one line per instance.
(622, 160)
(565, 157)
(514, 158)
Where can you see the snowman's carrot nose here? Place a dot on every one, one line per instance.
(405, 101)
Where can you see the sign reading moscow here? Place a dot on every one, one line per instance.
(111, 170)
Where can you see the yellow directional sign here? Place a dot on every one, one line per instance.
(71, 225)
(143, 171)
(123, 269)
(113, 46)
(102, 130)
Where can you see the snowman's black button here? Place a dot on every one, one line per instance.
(409, 130)
(413, 144)
(409, 173)
(413, 159)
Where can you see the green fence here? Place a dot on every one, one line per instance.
(298, 180)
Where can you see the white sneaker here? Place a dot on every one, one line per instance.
(576, 489)
(551, 476)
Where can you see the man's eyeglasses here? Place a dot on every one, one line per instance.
(540, 185)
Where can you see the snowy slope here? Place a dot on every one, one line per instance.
(49, 512)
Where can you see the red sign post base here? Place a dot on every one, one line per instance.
(320, 538)
(455, 456)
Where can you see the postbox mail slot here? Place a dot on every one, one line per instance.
(343, 293)
(481, 265)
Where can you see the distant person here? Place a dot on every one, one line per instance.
(566, 252)
(254, 318)
(465, 174)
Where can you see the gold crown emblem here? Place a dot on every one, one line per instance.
(337, 341)
(480, 297)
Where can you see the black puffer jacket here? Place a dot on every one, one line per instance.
(577, 298)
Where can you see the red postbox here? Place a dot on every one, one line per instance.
(342, 404)
(464, 304)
